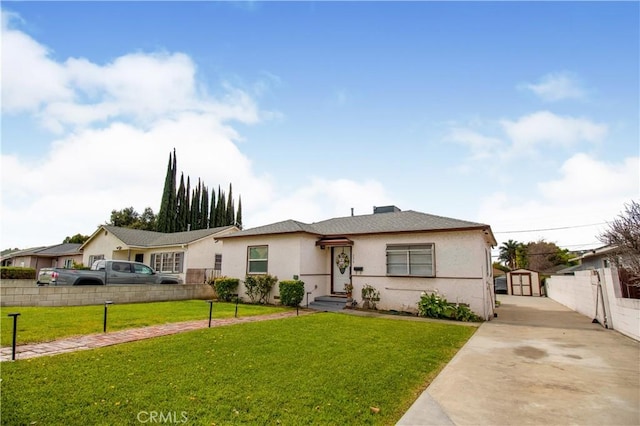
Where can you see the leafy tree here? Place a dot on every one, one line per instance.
(76, 239)
(130, 218)
(124, 218)
(623, 234)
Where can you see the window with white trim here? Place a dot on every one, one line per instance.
(217, 266)
(257, 259)
(95, 257)
(170, 262)
(411, 260)
(68, 263)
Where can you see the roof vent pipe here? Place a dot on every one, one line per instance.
(351, 211)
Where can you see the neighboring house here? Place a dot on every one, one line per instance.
(56, 256)
(400, 253)
(194, 255)
(524, 282)
(600, 258)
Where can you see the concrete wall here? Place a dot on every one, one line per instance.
(26, 293)
(580, 293)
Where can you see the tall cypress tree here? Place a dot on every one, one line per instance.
(204, 209)
(230, 216)
(165, 213)
(239, 214)
(221, 209)
(212, 209)
(181, 219)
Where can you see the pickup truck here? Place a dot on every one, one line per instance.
(106, 272)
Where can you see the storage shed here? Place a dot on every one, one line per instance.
(523, 282)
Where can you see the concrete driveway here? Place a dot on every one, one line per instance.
(538, 363)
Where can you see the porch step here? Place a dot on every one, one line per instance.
(328, 303)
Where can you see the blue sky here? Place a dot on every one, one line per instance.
(524, 116)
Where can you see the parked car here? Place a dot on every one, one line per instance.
(109, 272)
(500, 284)
(44, 276)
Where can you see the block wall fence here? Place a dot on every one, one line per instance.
(27, 293)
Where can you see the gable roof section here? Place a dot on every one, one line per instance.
(46, 251)
(141, 238)
(392, 222)
(60, 250)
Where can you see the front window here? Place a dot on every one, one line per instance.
(68, 263)
(411, 260)
(258, 259)
(218, 262)
(170, 262)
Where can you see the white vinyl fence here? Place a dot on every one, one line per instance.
(596, 294)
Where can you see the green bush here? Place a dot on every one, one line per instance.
(370, 297)
(258, 287)
(291, 292)
(435, 306)
(226, 287)
(16, 273)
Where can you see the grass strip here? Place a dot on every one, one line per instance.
(44, 324)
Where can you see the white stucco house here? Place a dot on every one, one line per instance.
(400, 253)
(194, 255)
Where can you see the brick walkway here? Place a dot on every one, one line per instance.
(92, 341)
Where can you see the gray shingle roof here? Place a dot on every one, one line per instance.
(60, 249)
(140, 238)
(402, 221)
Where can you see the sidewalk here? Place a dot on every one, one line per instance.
(92, 341)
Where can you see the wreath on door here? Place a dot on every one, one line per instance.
(342, 261)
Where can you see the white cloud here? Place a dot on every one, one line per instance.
(481, 147)
(556, 87)
(544, 127)
(117, 124)
(587, 192)
(29, 76)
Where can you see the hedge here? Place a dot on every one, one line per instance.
(16, 273)
(226, 287)
(291, 292)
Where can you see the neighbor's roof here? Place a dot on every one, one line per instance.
(140, 238)
(46, 251)
(403, 221)
(60, 250)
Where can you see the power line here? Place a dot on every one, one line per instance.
(550, 229)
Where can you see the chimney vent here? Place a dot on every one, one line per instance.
(385, 209)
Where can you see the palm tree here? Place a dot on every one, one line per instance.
(509, 253)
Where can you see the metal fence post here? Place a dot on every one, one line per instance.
(106, 303)
(210, 302)
(15, 316)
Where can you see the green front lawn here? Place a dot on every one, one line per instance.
(314, 369)
(43, 324)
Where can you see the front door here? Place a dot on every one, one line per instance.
(340, 268)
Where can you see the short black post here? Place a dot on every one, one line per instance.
(15, 316)
(106, 303)
(210, 302)
(237, 300)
